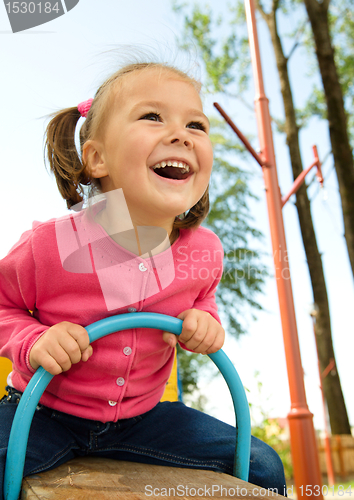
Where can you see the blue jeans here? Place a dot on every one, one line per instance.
(170, 434)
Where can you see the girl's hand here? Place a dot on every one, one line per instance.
(200, 332)
(59, 347)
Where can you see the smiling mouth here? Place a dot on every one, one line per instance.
(172, 170)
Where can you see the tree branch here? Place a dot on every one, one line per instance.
(297, 35)
(275, 5)
(293, 48)
(325, 4)
(261, 10)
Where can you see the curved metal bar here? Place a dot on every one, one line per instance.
(242, 413)
(16, 452)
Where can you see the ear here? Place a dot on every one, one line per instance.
(93, 157)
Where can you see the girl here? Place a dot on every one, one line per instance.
(145, 146)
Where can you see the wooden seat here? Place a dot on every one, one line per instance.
(92, 478)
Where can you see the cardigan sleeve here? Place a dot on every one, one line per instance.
(214, 265)
(19, 330)
(206, 302)
(206, 299)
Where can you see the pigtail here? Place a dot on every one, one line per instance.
(63, 156)
(195, 215)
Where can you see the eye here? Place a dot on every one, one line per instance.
(154, 117)
(197, 125)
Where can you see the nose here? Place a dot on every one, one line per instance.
(187, 142)
(180, 137)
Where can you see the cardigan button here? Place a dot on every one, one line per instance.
(131, 309)
(120, 381)
(112, 403)
(127, 351)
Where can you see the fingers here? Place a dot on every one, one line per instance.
(54, 359)
(87, 353)
(201, 332)
(217, 343)
(195, 333)
(73, 343)
(79, 335)
(60, 347)
(169, 338)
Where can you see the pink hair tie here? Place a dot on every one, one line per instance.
(84, 107)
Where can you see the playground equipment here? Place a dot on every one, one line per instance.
(21, 424)
(307, 473)
(5, 369)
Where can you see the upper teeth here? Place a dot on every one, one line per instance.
(179, 164)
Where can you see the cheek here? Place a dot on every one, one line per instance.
(206, 153)
(206, 164)
(207, 158)
(138, 151)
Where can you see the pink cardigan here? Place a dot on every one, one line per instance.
(128, 371)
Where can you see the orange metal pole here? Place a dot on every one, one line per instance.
(298, 183)
(307, 473)
(239, 134)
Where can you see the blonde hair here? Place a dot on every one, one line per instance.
(65, 162)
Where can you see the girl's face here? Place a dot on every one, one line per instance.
(156, 118)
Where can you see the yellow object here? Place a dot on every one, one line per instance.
(171, 390)
(5, 369)
(170, 394)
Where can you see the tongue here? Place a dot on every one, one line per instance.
(171, 173)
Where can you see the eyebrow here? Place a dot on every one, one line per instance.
(157, 104)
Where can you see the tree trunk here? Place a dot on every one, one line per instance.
(337, 118)
(332, 388)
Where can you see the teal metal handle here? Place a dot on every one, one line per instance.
(16, 452)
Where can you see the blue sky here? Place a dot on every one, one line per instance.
(60, 64)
